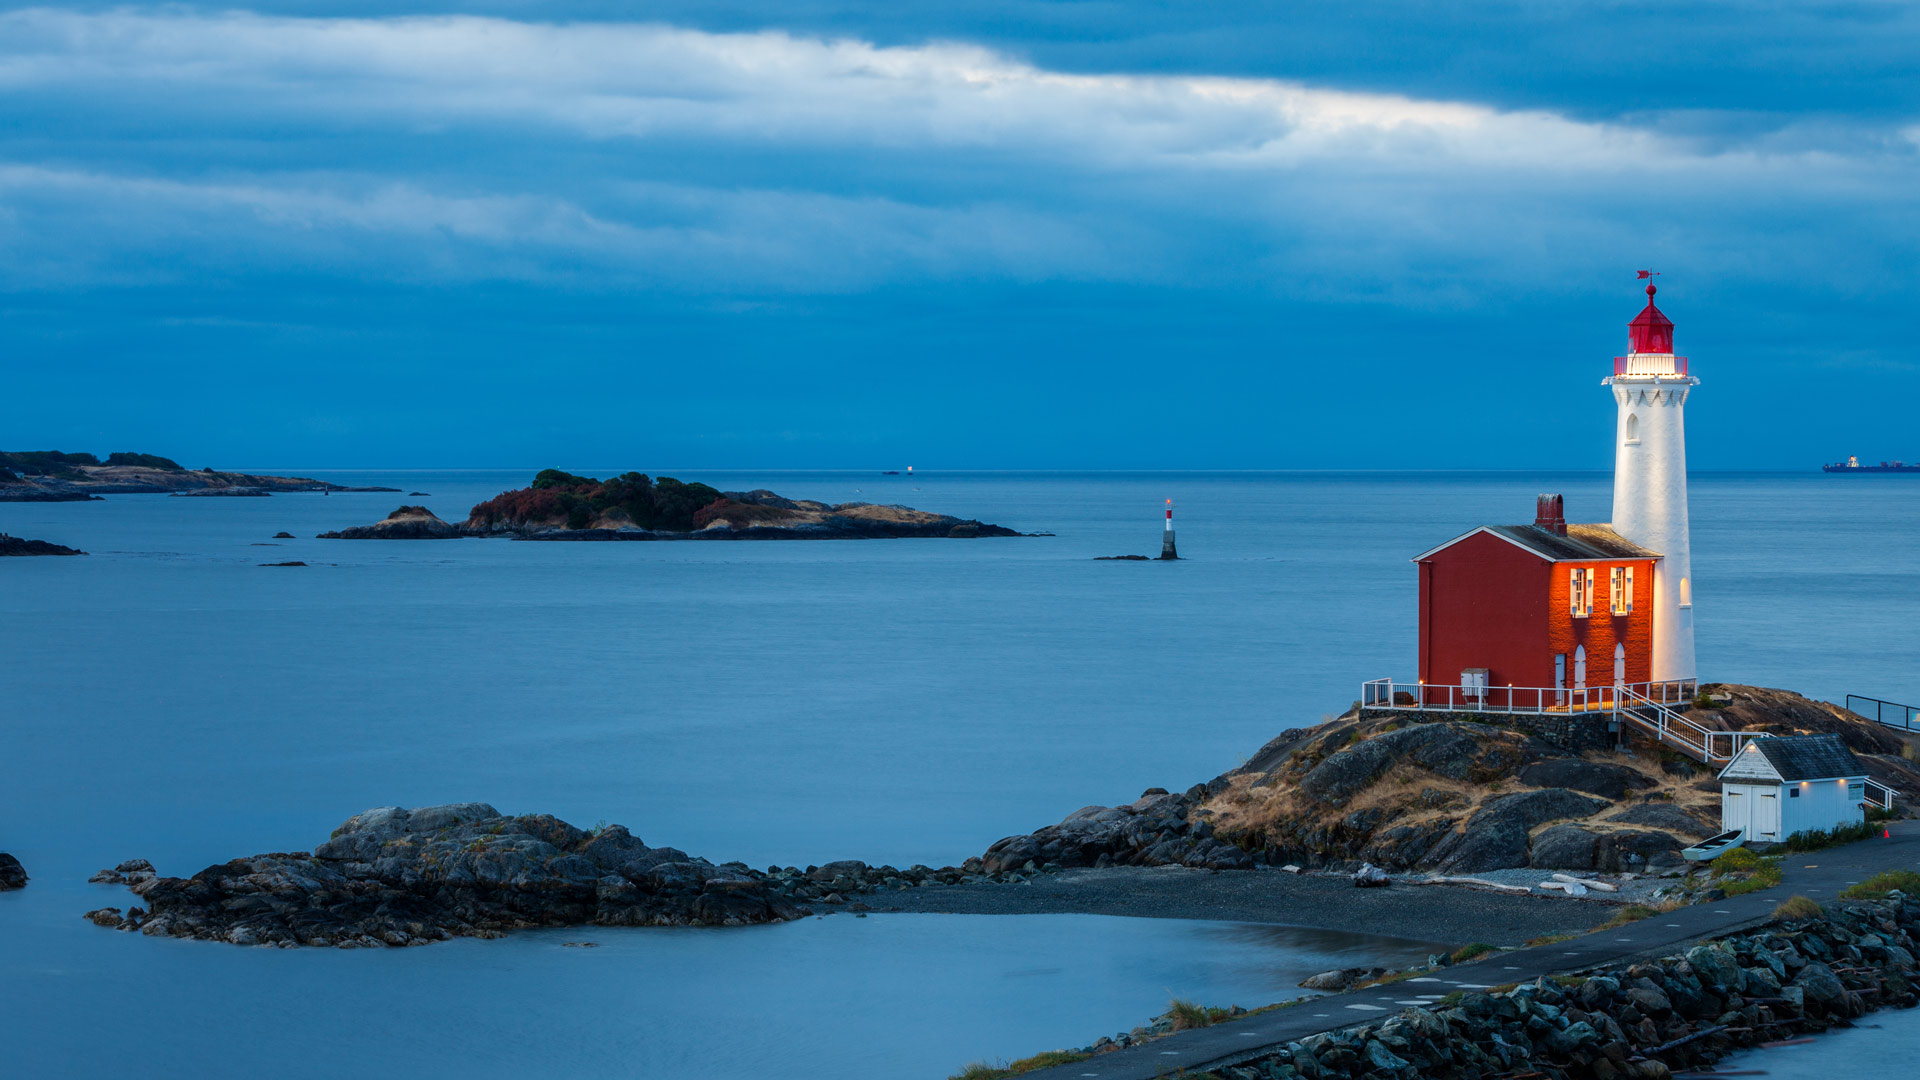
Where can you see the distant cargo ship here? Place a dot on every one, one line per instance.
(1852, 465)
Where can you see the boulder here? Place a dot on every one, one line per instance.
(1563, 847)
(1614, 852)
(1820, 985)
(12, 874)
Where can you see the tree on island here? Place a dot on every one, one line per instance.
(665, 504)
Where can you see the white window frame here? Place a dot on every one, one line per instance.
(1580, 592)
(1622, 587)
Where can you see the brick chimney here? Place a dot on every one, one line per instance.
(1551, 515)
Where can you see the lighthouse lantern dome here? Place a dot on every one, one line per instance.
(1650, 331)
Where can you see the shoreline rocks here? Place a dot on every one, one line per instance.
(12, 874)
(1644, 1020)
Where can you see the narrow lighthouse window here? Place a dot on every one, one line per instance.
(1633, 427)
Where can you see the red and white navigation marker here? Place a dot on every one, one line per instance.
(1166, 542)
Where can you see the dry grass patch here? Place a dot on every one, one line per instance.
(1799, 907)
(980, 1070)
(1188, 1015)
(1879, 885)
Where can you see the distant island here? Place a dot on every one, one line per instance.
(633, 506)
(64, 476)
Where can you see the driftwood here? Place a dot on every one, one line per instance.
(1438, 880)
(1684, 1040)
(1597, 886)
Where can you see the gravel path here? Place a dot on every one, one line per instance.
(1424, 912)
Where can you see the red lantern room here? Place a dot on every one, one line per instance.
(1650, 331)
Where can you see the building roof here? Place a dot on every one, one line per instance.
(1582, 543)
(1810, 757)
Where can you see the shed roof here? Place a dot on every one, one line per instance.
(1582, 543)
(1810, 757)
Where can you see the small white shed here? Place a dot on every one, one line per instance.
(1794, 783)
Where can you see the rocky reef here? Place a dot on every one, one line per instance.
(12, 874)
(14, 545)
(1455, 796)
(393, 877)
(405, 523)
(1639, 1021)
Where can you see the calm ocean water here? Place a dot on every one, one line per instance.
(899, 701)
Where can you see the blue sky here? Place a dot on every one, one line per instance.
(957, 235)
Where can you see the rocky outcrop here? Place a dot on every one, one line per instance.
(406, 523)
(1665, 815)
(1498, 835)
(1640, 1021)
(1435, 791)
(1600, 778)
(1455, 751)
(12, 874)
(391, 877)
(14, 545)
(1153, 830)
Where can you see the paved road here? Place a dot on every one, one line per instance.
(1819, 875)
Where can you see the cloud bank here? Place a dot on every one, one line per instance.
(412, 148)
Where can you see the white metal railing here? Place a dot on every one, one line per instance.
(1879, 794)
(1446, 697)
(1669, 727)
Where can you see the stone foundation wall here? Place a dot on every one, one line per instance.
(1578, 734)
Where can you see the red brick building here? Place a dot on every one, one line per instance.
(1535, 616)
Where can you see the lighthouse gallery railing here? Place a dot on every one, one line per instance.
(1446, 697)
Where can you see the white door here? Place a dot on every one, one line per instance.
(1560, 677)
(1580, 667)
(1619, 664)
(1733, 810)
(1766, 815)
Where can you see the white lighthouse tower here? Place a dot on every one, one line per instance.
(1650, 385)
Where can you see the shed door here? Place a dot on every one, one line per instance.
(1733, 809)
(1766, 814)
